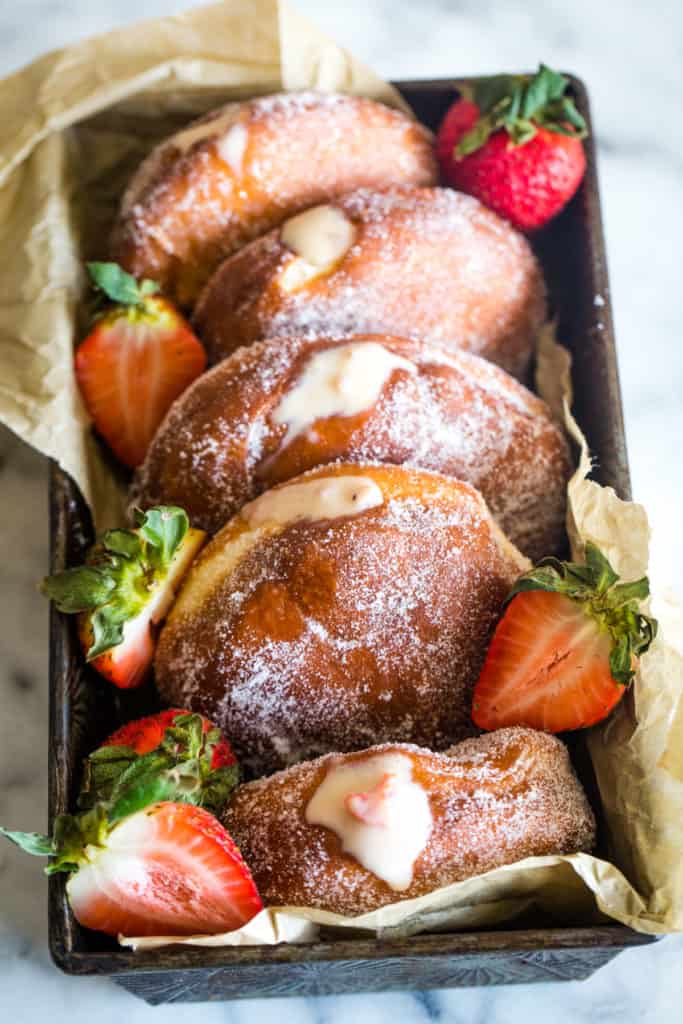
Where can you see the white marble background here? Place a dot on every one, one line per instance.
(630, 55)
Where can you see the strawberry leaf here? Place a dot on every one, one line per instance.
(475, 138)
(604, 575)
(30, 842)
(521, 104)
(120, 574)
(78, 589)
(488, 92)
(163, 528)
(545, 87)
(178, 769)
(119, 286)
(123, 542)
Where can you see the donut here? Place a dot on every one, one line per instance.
(278, 408)
(242, 169)
(353, 832)
(349, 606)
(426, 263)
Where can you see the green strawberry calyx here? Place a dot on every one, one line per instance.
(180, 768)
(112, 283)
(121, 574)
(613, 605)
(521, 104)
(118, 782)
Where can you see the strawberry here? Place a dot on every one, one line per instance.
(173, 755)
(139, 357)
(125, 589)
(146, 734)
(515, 144)
(167, 869)
(566, 647)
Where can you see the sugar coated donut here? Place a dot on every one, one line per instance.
(427, 263)
(244, 168)
(278, 408)
(352, 832)
(347, 607)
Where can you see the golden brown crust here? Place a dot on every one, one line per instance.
(426, 263)
(457, 414)
(334, 634)
(197, 199)
(494, 800)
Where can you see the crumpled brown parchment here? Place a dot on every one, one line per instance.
(73, 126)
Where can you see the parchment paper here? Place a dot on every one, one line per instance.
(73, 127)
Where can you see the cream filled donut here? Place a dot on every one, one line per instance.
(244, 168)
(353, 832)
(278, 408)
(426, 263)
(347, 607)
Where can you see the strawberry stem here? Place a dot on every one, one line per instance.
(521, 104)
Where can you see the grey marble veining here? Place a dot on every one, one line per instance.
(630, 58)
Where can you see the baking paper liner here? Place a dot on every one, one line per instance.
(74, 126)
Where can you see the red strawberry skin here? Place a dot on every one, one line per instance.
(145, 735)
(126, 666)
(131, 368)
(527, 184)
(547, 668)
(171, 869)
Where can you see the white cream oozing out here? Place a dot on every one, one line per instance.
(320, 237)
(389, 850)
(324, 498)
(218, 126)
(232, 147)
(342, 381)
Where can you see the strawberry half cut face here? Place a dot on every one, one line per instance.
(171, 869)
(140, 355)
(566, 647)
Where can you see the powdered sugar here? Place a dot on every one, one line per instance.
(289, 648)
(430, 264)
(221, 443)
(244, 168)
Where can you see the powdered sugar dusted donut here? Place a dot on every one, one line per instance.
(431, 264)
(278, 408)
(350, 833)
(244, 168)
(349, 606)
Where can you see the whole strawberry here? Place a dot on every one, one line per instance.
(515, 144)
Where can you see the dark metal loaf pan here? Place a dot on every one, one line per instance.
(83, 709)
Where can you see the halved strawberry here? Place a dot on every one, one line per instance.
(566, 647)
(170, 869)
(125, 589)
(139, 357)
(173, 755)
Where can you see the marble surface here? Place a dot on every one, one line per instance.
(631, 62)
